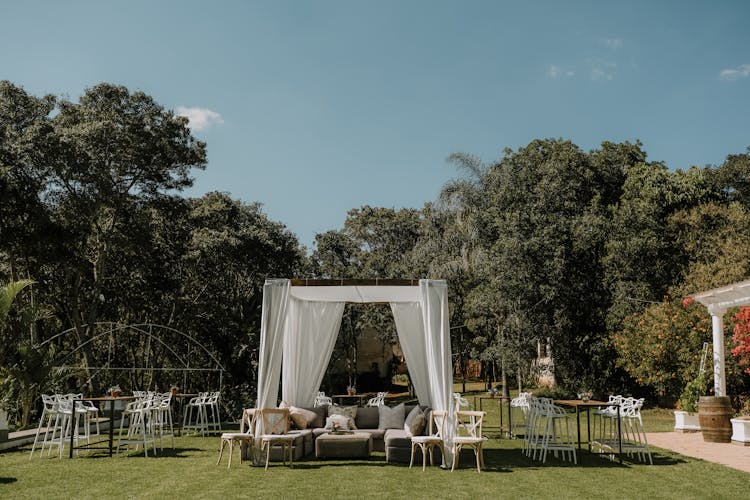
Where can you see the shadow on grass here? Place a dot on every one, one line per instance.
(132, 453)
(7, 480)
(514, 459)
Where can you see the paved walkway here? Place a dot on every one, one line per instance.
(692, 445)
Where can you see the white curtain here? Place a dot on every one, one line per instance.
(273, 317)
(437, 334)
(408, 319)
(424, 333)
(309, 337)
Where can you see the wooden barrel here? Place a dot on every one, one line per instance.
(715, 413)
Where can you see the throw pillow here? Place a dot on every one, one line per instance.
(337, 423)
(414, 422)
(301, 417)
(347, 411)
(391, 418)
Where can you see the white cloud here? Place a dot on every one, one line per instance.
(613, 43)
(729, 75)
(200, 118)
(600, 69)
(555, 72)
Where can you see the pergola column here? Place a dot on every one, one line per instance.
(717, 323)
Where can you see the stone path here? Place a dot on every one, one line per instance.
(692, 445)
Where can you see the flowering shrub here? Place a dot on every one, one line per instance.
(741, 338)
(662, 345)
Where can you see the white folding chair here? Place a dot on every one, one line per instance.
(378, 400)
(321, 399)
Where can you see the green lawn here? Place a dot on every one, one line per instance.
(190, 471)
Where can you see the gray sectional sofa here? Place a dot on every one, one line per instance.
(396, 443)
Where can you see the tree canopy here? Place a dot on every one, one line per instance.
(589, 249)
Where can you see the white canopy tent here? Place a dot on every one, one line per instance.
(718, 301)
(301, 319)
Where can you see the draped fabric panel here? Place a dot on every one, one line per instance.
(408, 319)
(309, 338)
(273, 318)
(435, 314)
(436, 331)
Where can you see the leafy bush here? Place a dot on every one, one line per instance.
(556, 392)
(661, 346)
(693, 391)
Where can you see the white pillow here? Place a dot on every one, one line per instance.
(341, 421)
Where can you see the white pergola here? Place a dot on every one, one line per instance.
(717, 301)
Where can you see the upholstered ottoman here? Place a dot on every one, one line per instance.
(356, 445)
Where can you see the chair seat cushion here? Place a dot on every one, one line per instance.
(236, 435)
(426, 439)
(468, 440)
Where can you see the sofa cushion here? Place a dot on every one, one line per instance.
(397, 438)
(391, 418)
(318, 431)
(414, 422)
(320, 416)
(302, 417)
(347, 411)
(368, 417)
(377, 434)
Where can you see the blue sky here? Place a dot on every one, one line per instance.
(314, 108)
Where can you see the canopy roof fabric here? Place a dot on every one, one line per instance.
(356, 294)
(736, 294)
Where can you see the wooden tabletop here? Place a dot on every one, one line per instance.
(574, 403)
(107, 398)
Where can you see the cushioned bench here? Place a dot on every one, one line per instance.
(395, 442)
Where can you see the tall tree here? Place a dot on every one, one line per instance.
(96, 159)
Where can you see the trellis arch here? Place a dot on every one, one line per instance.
(159, 340)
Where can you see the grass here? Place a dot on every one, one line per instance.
(190, 471)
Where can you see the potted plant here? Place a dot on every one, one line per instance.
(686, 418)
(585, 396)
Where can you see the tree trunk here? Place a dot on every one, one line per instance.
(504, 376)
(519, 376)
